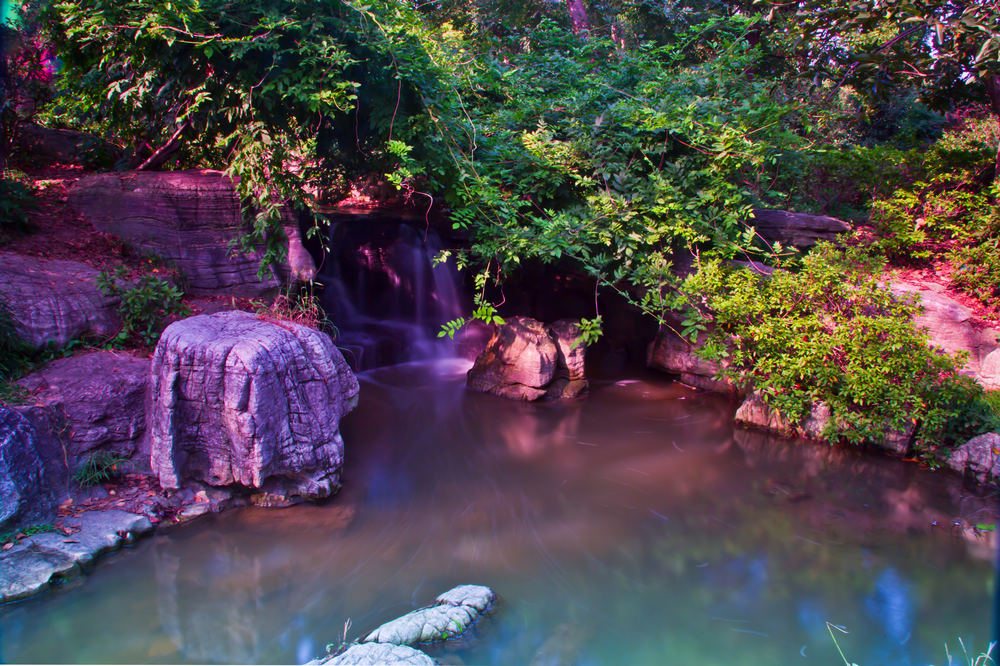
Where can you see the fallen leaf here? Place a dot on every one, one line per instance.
(8, 545)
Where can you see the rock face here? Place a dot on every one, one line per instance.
(54, 301)
(453, 614)
(949, 324)
(798, 230)
(27, 492)
(672, 354)
(33, 563)
(755, 413)
(99, 400)
(979, 457)
(239, 400)
(526, 360)
(45, 145)
(188, 218)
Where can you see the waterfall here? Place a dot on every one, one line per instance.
(383, 291)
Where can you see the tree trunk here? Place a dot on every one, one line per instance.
(578, 16)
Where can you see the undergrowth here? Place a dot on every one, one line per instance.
(145, 303)
(99, 467)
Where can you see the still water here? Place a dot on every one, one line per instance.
(633, 526)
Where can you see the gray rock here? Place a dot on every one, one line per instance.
(478, 597)
(755, 413)
(188, 218)
(454, 613)
(798, 230)
(44, 145)
(979, 457)
(35, 562)
(240, 400)
(526, 360)
(672, 354)
(55, 301)
(99, 401)
(378, 654)
(27, 495)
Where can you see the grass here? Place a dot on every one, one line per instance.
(31, 530)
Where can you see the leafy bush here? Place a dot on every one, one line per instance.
(16, 199)
(144, 304)
(830, 333)
(977, 270)
(99, 467)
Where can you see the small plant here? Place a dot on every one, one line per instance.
(99, 467)
(144, 304)
(302, 307)
(22, 532)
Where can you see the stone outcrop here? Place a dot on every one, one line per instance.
(452, 614)
(98, 400)
(798, 230)
(755, 413)
(28, 493)
(239, 400)
(978, 458)
(33, 563)
(45, 145)
(527, 360)
(55, 301)
(949, 324)
(377, 654)
(676, 356)
(189, 219)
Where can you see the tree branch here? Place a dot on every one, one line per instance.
(163, 153)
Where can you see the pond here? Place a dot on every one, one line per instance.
(633, 526)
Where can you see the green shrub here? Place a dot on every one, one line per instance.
(99, 467)
(16, 199)
(144, 304)
(977, 270)
(829, 332)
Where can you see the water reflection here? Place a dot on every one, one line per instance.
(619, 528)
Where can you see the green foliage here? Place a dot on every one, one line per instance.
(830, 333)
(144, 304)
(16, 199)
(27, 531)
(590, 330)
(99, 467)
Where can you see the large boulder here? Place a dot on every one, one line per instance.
(798, 230)
(189, 218)
(527, 360)
(978, 458)
(27, 492)
(99, 399)
(240, 400)
(55, 301)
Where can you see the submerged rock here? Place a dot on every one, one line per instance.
(28, 493)
(237, 400)
(55, 301)
(33, 563)
(455, 613)
(979, 457)
(754, 412)
(377, 654)
(98, 399)
(674, 355)
(189, 218)
(527, 360)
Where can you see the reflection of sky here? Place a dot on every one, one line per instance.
(890, 605)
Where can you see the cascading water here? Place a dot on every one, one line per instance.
(384, 292)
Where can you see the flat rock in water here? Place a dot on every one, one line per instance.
(479, 597)
(377, 654)
(34, 562)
